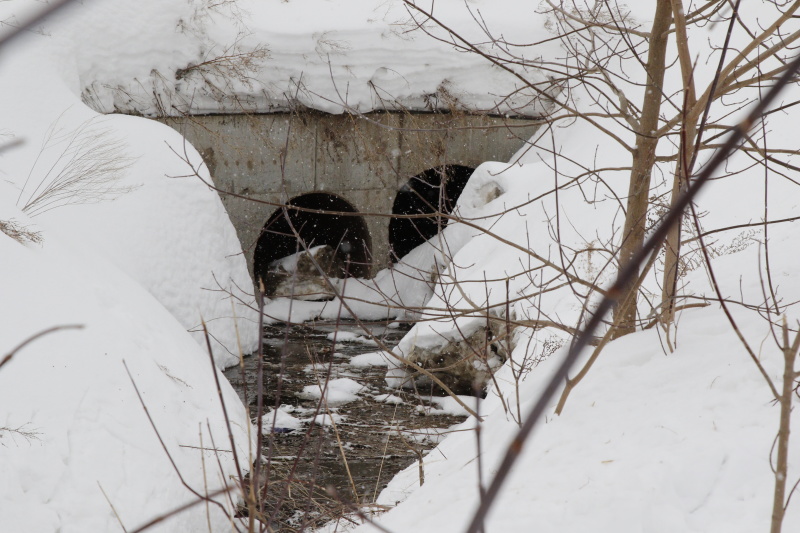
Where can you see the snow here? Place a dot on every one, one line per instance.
(669, 442)
(134, 256)
(328, 419)
(477, 255)
(72, 389)
(280, 420)
(272, 56)
(337, 392)
(388, 398)
(349, 336)
(343, 336)
(284, 422)
(289, 263)
(447, 405)
(394, 293)
(170, 234)
(370, 359)
(654, 439)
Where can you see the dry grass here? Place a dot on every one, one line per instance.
(20, 233)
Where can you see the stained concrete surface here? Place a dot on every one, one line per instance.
(364, 159)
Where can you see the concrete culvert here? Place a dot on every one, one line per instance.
(317, 230)
(434, 191)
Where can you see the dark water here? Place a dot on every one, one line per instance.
(308, 468)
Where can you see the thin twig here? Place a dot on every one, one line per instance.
(32, 338)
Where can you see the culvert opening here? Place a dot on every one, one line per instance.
(433, 192)
(343, 239)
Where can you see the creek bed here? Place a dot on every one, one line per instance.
(371, 437)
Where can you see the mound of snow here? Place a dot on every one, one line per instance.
(72, 429)
(339, 391)
(388, 398)
(169, 233)
(349, 336)
(280, 421)
(646, 443)
(136, 257)
(652, 439)
(328, 419)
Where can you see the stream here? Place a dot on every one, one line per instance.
(353, 449)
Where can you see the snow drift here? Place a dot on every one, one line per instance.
(74, 438)
(116, 183)
(135, 255)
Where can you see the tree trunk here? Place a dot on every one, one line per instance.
(644, 156)
(683, 167)
(784, 429)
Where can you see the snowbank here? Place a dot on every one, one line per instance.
(117, 187)
(280, 421)
(136, 258)
(647, 443)
(651, 440)
(654, 439)
(75, 439)
(480, 272)
(398, 292)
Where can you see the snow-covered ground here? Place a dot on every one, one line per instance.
(650, 442)
(653, 440)
(113, 182)
(76, 445)
(134, 256)
(670, 430)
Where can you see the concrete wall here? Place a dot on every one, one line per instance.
(363, 159)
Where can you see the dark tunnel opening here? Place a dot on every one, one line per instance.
(347, 235)
(434, 191)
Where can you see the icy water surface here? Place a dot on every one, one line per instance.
(372, 438)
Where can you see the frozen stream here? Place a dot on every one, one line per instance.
(376, 438)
